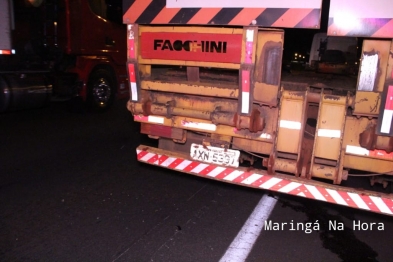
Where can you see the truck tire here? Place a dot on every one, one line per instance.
(101, 90)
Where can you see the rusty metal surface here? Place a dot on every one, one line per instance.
(267, 73)
(370, 140)
(369, 164)
(265, 94)
(367, 103)
(291, 121)
(374, 70)
(217, 90)
(372, 163)
(193, 101)
(252, 145)
(331, 119)
(254, 123)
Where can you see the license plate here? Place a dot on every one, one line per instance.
(215, 155)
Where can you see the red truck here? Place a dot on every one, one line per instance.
(59, 50)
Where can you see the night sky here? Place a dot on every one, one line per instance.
(299, 40)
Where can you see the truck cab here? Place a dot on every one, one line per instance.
(75, 49)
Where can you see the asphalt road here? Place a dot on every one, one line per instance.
(72, 190)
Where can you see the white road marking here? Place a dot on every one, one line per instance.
(241, 246)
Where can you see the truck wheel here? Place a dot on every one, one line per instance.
(101, 90)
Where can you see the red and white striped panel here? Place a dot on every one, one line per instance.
(387, 115)
(245, 102)
(149, 119)
(249, 43)
(246, 74)
(133, 84)
(131, 41)
(357, 150)
(294, 186)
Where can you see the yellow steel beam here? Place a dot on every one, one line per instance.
(228, 91)
(200, 125)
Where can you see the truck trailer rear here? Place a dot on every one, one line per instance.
(206, 82)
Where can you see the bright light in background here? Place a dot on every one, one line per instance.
(346, 21)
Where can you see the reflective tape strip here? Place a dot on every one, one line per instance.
(155, 119)
(233, 175)
(196, 125)
(131, 42)
(266, 136)
(388, 112)
(7, 52)
(134, 92)
(270, 183)
(263, 135)
(290, 124)
(357, 199)
(381, 154)
(336, 196)
(146, 157)
(168, 161)
(381, 205)
(251, 179)
(389, 98)
(133, 85)
(216, 171)
(386, 121)
(250, 35)
(314, 191)
(151, 119)
(288, 188)
(245, 102)
(357, 150)
(199, 168)
(249, 42)
(245, 92)
(183, 165)
(131, 71)
(329, 133)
